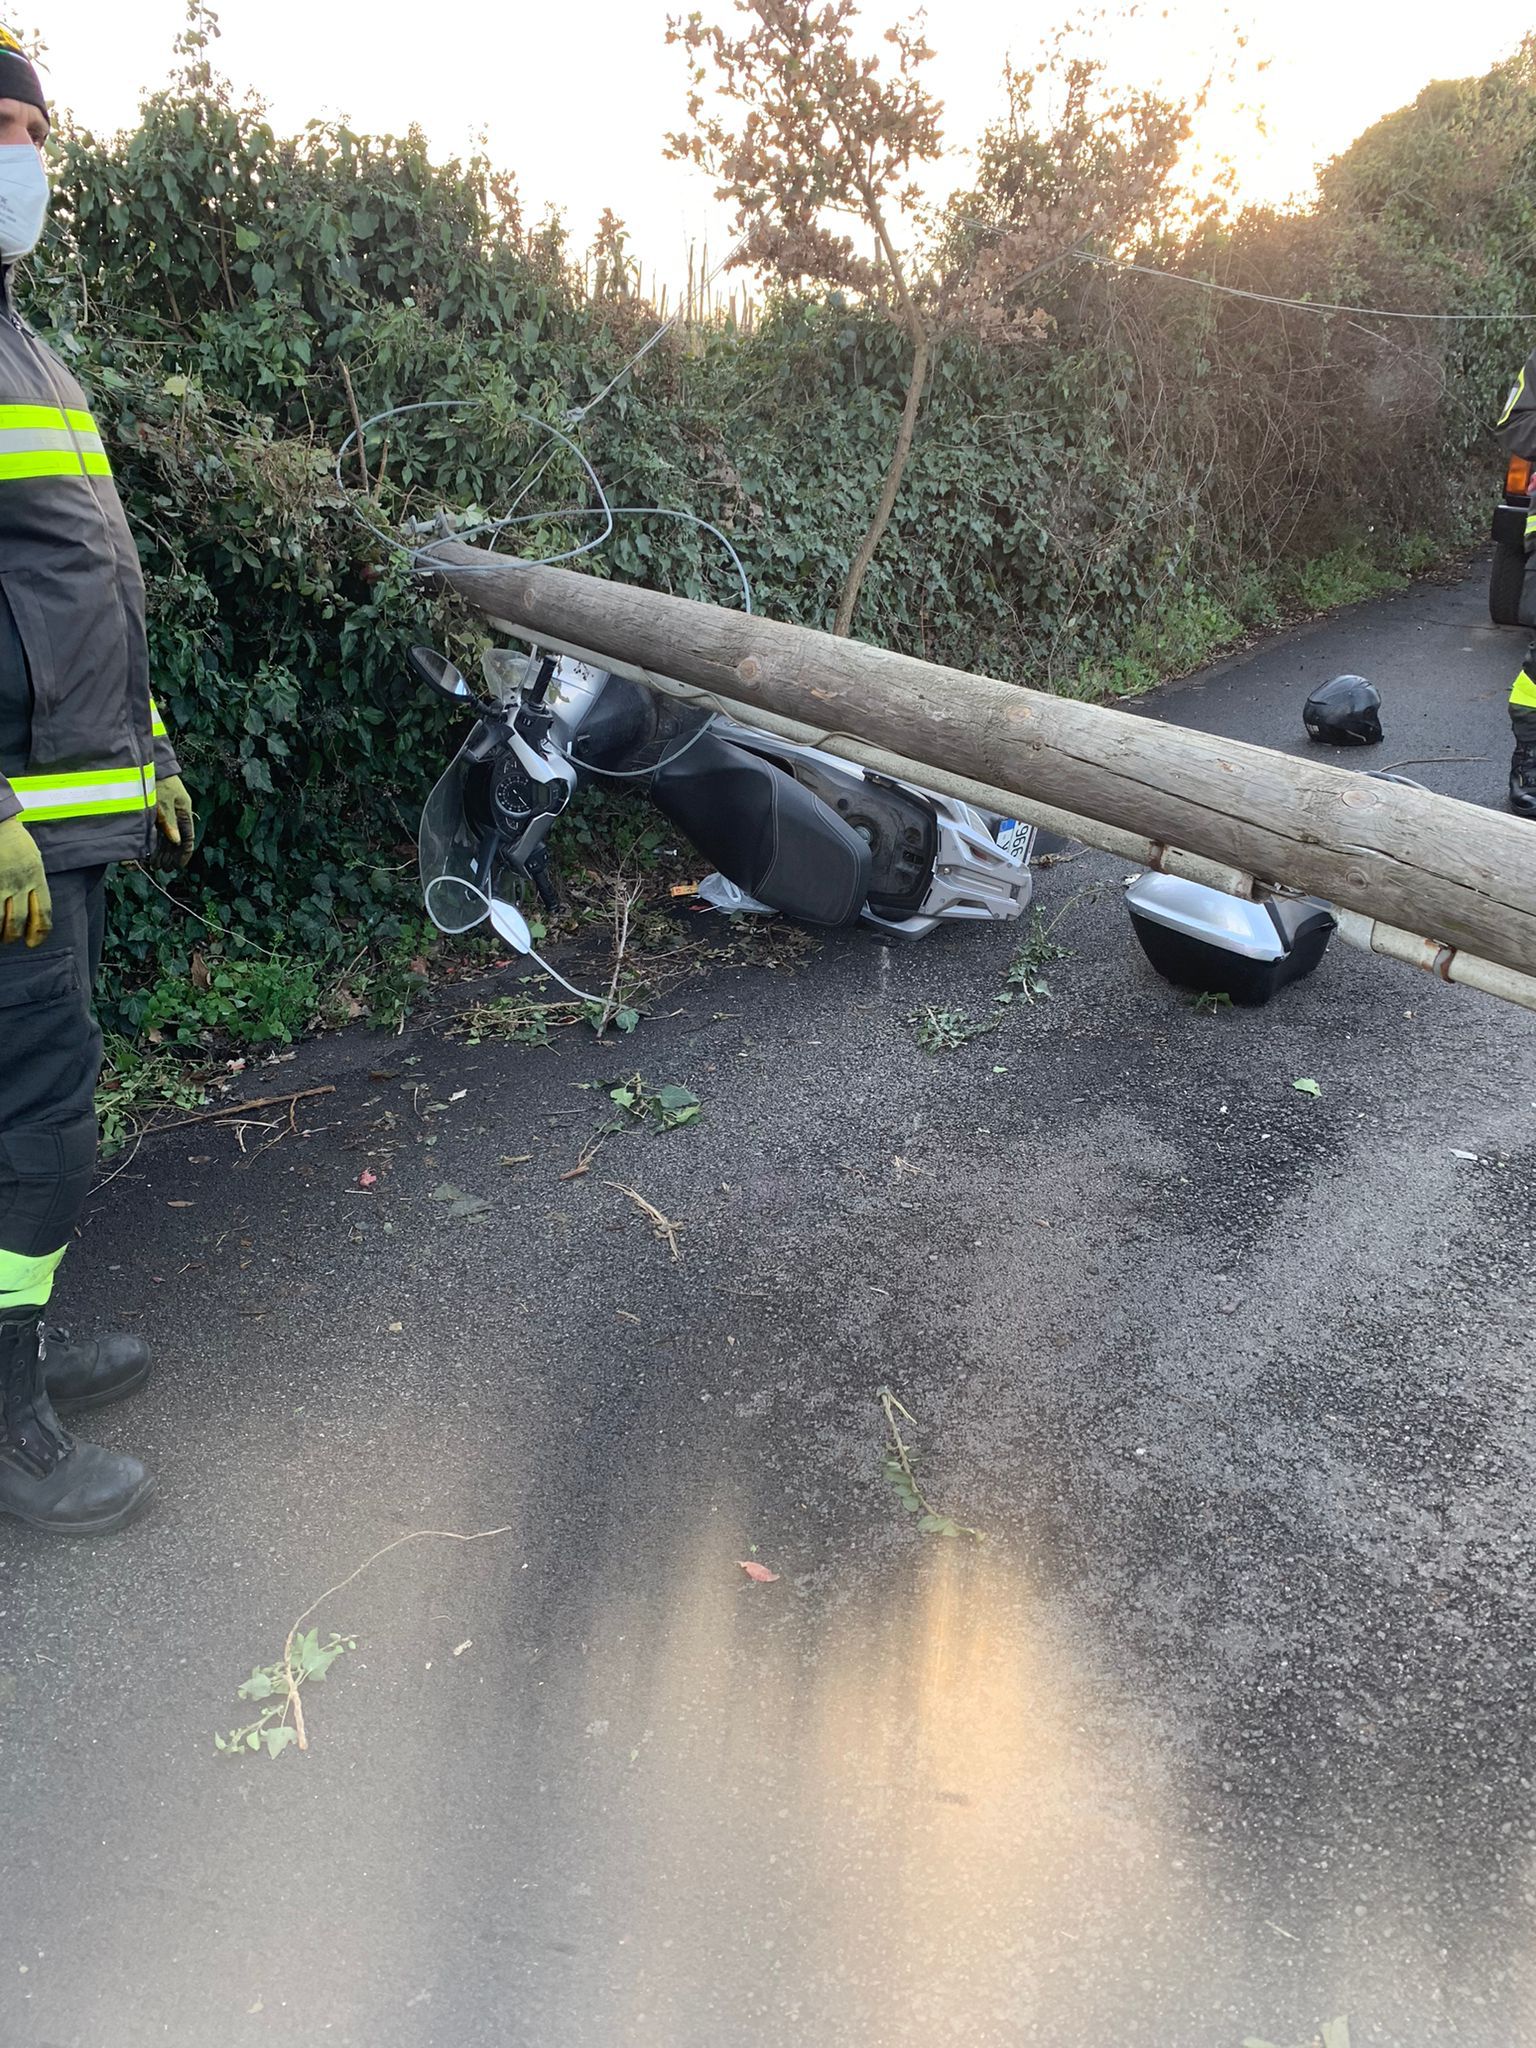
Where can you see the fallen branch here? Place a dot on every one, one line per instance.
(663, 1225)
(208, 1116)
(411, 1536)
(901, 1470)
(589, 1152)
(621, 916)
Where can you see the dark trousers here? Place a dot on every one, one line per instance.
(50, 1057)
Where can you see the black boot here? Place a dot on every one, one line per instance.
(81, 1372)
(1522, 779)
(46, 1478)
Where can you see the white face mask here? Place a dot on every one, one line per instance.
(23, 199)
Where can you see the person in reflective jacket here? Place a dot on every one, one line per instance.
(1517, 430)
(87, 777)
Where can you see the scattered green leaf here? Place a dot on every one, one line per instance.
(1025, 978)
(272, 1729)
(944, 1030)
(669, 1107)
(900, 1468)
(137, 1082)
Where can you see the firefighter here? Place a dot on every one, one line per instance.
(87, 777)
(1517, 429)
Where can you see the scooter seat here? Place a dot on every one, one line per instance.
(766, 833)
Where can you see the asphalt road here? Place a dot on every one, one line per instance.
(1224, 1731)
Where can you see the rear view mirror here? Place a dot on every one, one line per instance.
(440, 675)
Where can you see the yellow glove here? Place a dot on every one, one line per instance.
(26, 906)
(174, 821)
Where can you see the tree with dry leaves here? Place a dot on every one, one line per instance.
(817, 129)
(1078, 160)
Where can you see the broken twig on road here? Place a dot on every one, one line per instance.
(315, 1659)
(663, 1226)
(623, 909)
(411, 1536)
(901, 1471)
(229, 1109)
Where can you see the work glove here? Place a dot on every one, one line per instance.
(174, 822)
(26, 904)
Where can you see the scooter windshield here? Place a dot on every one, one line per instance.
(456, 894)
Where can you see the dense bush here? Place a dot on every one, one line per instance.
(1107, 491)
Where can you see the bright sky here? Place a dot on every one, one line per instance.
(575, 96)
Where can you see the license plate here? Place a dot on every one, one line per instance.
(1013, 837)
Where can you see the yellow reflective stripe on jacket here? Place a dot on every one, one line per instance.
(43, 440)
(48, 416)
(1523, 695)
(156, 722)
(85, 793)
(1515, 391)
(37, 416)
(17, 464)
(1530, 525)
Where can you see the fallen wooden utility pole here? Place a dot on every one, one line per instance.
(1400, 858)
(1365, 934)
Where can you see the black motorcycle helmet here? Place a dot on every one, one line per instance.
(1344, 713)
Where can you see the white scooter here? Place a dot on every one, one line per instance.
(789, 828)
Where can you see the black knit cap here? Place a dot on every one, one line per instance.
(18, 79)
